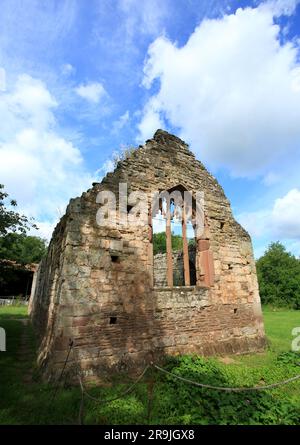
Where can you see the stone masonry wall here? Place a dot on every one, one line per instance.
(160, 267)
(96, 284)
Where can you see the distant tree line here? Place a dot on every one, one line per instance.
(278, 273)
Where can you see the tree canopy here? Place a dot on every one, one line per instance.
(278, 274)
(159, 242)
(14, 244)
(21, 248)
(10, 220)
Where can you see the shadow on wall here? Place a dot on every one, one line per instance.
(123, 333)
(107, 308)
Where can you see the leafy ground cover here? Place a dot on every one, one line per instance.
(158, 399)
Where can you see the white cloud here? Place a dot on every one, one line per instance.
(282, 7)
(232, 89)
(45, 229)
(271, 178)
(108, 166)
(67, 69)
(256, 222)
(121, 122)
(39, 167)
(281, 221)
(286, 215)
(92, 92)
(294, 247)
(145, 16)
(151, 121)
(29, 101)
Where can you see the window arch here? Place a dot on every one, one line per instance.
(181, 253)
(174, 238)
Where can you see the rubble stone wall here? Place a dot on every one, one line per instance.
(160, 267)
(96, 284)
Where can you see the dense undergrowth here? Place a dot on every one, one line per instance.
(159, 398)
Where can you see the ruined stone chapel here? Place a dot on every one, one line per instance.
(129, 294)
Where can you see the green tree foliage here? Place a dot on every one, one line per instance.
(10, 220)
(159, 242)
(278, 274)
(21, 248)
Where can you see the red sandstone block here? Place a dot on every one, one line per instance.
(81, 321)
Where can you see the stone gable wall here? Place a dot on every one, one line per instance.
(111, 310)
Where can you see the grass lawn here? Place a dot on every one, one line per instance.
(25, 400)
(279, 324)
(13, 311)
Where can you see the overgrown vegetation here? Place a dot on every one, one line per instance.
(123, 154)
(21, 248)
(278, 274)
(25, 400)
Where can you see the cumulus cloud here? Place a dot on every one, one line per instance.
(286, 215)
(281, 221)
(39, 166)
(233, 90)
(29, 101)
(151, 121)
(92, 92)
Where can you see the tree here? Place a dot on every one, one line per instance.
(159, 242)
(21, 248)
(10, 220)
(278, 274)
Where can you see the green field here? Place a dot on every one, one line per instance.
(158, 399)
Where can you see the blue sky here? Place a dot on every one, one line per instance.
(80, 80)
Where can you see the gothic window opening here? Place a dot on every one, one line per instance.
(174, 242)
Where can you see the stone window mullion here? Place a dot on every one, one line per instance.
(169, 246)
(186, 265)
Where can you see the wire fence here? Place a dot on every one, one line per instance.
(226, 388)
(152, 365)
